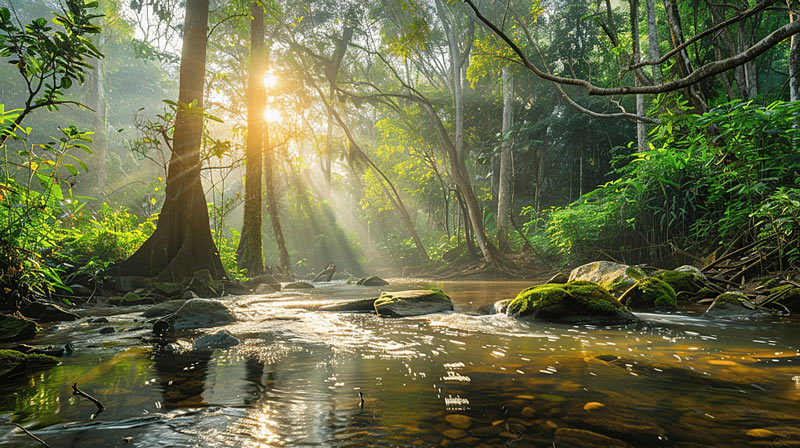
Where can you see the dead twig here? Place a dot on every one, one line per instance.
(80, 393)
(31, 435)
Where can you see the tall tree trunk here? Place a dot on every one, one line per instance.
(249, 254)
(456, 151)
(652, 37)
(641, 128)
(181, 244)
(505, 186)
(272, 206)
(794, 54)
(96, 162)
(683, 63)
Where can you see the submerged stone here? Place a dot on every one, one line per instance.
(650, 294)
(13, 362)
(16, 328)
(195, 313)
(732, 304)
(298, 285)
(573, 302)
(579, 438)
(615, 277)
(218, 341)
(412, 303)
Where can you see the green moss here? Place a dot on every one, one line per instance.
(574, 301)
(733, 298)
(13, 362)
(436, 295)
(131, 297)
(651, 294)
(635, 273)
(706, 293)
(13, 328)
(352, 280)
(681, 281)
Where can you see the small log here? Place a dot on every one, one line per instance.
(327, 272)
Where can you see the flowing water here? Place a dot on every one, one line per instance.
(673, 380)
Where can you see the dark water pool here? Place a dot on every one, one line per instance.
(451, 379)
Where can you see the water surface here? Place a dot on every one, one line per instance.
(674, 380)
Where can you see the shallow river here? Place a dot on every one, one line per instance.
(674, 380)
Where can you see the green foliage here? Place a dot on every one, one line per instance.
(704, 179)
(111, 234)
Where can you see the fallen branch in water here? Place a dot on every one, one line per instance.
(31, 435)
(80, 393)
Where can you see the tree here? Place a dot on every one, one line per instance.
(505, 186)
(182, 245)
(249, 254)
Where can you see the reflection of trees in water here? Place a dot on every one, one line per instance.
(182, 377)
(254, 386)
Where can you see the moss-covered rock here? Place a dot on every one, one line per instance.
(13, 362)
(573, 302)
(130, 299)
(372, 281)
(650, 294)
(786, 295)
(412, 303)
(733, 304)
(680, 281)
(16, 328)
(615, 277)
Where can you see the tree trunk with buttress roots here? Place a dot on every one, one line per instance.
(181, 244)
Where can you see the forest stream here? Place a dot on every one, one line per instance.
(448, 379)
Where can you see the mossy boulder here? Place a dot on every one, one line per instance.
(13, 362)
(690, 281)
(615, 277)
(732, 305)
(164, 308)
(574, 302)
(298, 285)
(48, 312)
(412, 303)
(130, 299)
(650, 294)
(786, 295)
(16, 328)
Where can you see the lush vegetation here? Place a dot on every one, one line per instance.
(372, 153)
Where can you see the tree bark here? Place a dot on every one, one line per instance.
(652, 37)
(794, 54)
(249, 254)
(456, 146)
(682, 58)
(181, 244)
(505, 186)
(272, 206)
(641, 128)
